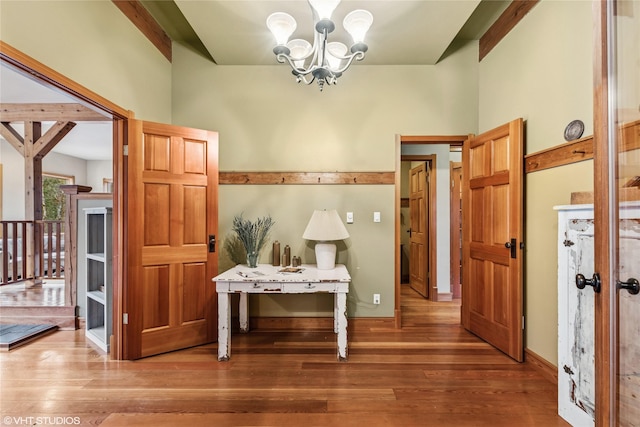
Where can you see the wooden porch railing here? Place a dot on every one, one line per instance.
(19, 259)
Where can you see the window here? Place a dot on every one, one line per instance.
(53, 201)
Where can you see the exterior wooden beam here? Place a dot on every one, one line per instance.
(505, 23)
(143, 20)
(275, 178)
(49, 113)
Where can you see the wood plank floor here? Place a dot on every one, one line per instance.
(429, 373)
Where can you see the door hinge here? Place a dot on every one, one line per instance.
(523, 323)
(125, 150)
(125, 318)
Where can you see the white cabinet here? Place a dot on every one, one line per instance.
(576, 334)
(576, 363)
(99, 268)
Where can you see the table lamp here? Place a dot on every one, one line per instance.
(324, 227)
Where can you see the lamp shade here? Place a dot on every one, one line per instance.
(325, 226)
(357, 24)
(324, 8)
(281, 25)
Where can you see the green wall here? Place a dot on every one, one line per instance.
(268, 122)
(542, 72)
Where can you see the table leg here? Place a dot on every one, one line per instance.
(244, 312)
(335, 313)
(224, 326)
(341, 319)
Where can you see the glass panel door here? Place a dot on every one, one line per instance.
(625, 70)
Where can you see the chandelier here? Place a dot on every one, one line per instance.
(323, 61)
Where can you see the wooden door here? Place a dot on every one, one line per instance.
(419, 231)
(171, 214)
(455, 225)
(616, 189)
(492, 228)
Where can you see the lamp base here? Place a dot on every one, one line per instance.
(325, 255)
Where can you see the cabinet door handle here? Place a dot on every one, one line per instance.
(631, 285)
(582, 282)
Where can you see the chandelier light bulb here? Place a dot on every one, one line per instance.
(300, 49)
(357, 23)
(335, 52)
(324, 8)
(281, 25)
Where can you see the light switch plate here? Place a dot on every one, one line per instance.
(376, 217)
(349, 217)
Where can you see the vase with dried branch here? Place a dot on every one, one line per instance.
(253, 235)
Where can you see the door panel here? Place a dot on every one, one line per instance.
(172, 210)
(492, 294)
(419, 240)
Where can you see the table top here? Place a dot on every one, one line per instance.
(268, 273)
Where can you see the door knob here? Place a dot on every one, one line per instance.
(631, 285)
(511, 245)
(409, 231)
(582, 282)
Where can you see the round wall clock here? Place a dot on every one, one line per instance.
(573, 130)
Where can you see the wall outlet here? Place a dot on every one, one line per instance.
(376, 298)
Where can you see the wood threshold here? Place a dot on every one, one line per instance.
(142, 19)
(297, 178)
(512, 15)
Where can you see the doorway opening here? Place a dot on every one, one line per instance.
(115, 120)
(438, 150)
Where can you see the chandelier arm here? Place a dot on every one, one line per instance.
(283, 58)
(356, 56)
(305, 79)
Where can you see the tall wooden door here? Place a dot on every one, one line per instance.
(616, 190)
(419, 231)
(172, 221)
(492, 228)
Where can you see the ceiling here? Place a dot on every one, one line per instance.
(404, 32)
(233, 32)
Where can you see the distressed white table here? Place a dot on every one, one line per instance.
(267, 279)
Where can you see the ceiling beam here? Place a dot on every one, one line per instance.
(46, 142)
(13, 137)
(142, 19)
(505, 23)
(49, 113)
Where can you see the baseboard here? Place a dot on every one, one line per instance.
(540, 364)
(445, 296)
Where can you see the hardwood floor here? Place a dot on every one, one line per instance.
(429, 373)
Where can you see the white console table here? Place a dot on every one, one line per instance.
(267, 279)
